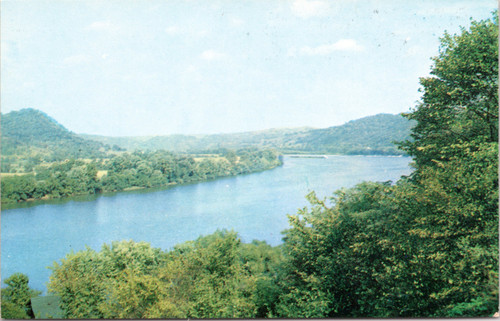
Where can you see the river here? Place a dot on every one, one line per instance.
(35, 235)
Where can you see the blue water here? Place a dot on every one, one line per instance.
(254, 205)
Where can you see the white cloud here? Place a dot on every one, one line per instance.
(309, 8)
(212, 55)
(322, 50)
(76, 60)
(101, 26)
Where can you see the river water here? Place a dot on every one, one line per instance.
(35, 235)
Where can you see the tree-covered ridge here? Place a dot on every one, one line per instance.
(365, 136)
(30, 137)
(131, 170)
(270, 138)
(369, 135)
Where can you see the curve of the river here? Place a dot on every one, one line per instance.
(254, 205)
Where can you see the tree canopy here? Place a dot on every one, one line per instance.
(459, 106)
(214, 276)
(16, 297)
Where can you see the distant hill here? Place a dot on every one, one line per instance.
(368, 135)
(273, 138)
(31, 136)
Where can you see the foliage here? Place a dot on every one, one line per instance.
(454, 209)
(78, 281)
(336, 256)
(214, 276)
(16, 297)
(135, 170)
(264, 263)
(460, 99)
(62, 179)
(160, 168)
(373, 135)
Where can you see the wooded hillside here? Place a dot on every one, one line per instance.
(366, 136)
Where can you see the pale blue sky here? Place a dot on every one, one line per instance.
(185, 66)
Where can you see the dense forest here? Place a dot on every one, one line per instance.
(372, 135)
(426, 246)
(131, 170)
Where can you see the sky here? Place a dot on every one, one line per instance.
(159, 67)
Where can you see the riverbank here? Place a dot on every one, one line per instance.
(130, 172)
(35, 234)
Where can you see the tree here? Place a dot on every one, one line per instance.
(336, 258)
(16, 297)
(80, 283)
(219, 286)
(85, 279)
(454, 198)
(264, 263)
(460, 99)
(452, 220)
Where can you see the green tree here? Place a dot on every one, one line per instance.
(222, 288)
(16, 297)
(85, 279)
(454, 199)
(264, 263)
(454, 223)
(80, 283)
(337, 257)
(460, 99)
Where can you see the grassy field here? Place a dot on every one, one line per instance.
(46, 307)
(13, 174)
(100, 174)
(200, 157)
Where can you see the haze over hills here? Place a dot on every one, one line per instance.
(30, 135)
(365, 136)
(270, 138)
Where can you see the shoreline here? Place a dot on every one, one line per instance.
(30, 202)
